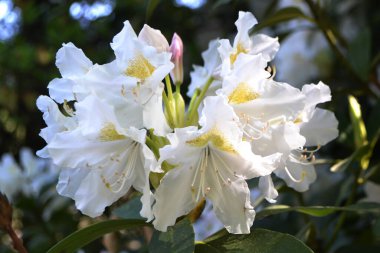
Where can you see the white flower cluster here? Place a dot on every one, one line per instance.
(28, 177)
(112, 127)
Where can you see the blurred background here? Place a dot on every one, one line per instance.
(32, 31)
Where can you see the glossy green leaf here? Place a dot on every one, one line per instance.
(130, 210)
(319, 211)
(258, 241)
(84, 236)
(360, 132)
(282, 15)
(178, 239)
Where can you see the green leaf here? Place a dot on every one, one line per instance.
(130, 210)
(151, 6)
(359, 54)
(84, 236)
(360, 132)
(282, 15)
(258, 241)
(319, 211)
(178, 239)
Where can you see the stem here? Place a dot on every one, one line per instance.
(169, 87)
(199, 99)
(17, 242)
(168, 108)
(193, 99)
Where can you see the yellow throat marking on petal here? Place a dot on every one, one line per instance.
(298, 120)
(217, 139)
(239, 49)
(109, 133)
(139, 67)
(241, 94)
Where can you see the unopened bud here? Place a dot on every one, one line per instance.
(154, 38)
(180, 109)
(176, 48)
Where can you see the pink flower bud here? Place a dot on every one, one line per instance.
(176, 48)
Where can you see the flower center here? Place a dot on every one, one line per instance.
(242, 94)
(109, 133)
(140, 68)
(217, 139)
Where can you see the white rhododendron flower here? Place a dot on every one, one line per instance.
(27, 177)
(319, 127)
(115, 158)
(212, 162)
(11, 178)
(119, 126)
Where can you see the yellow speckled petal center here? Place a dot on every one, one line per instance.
(242, 94)
(109, 133)
(216, 138)
(139, 67)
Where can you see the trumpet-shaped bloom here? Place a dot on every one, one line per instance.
(136, 59)
(106, 159)
(318, 127)
(257, 99)
(212, 162)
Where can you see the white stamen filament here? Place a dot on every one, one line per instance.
(132, 153)
(291, 176)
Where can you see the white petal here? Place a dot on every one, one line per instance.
(276, 100)
(321, 128)
(217, 112)
(153, 115)
(244, 23)
(229, 194)
(61, 89)
(173, 197)
(267, 189)
(154, 38)
(88, 190)
(199, 77)
(316, 93)
(211, 56)
(71, 61)
(56, 122)
(265, 45)
(123, 42)
(298, 176)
